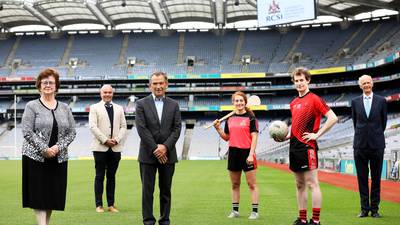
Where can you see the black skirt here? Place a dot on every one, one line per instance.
(44, 185)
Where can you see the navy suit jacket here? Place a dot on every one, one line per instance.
(152, 132)
(369, 131)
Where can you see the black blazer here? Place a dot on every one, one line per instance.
(151, 132)
(369, 131)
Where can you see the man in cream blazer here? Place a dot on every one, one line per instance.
(108, 126)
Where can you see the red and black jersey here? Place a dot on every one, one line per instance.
(239, 128)
(307, 112)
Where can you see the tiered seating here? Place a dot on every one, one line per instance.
(83, 103)
(269, 50)
(38, 52)
(120, 101)
(286, 43)
(315, 44)
(132, 142)
(229, 41)
(394, 46)
(276, 99)
(4, 104)
(200, 101)
(153, 53)
(386, 30)
(98, 53)
(261, 45)
(340, 37)
(205, 46)
(7, 143)
(205, 143)
(366, 28)
(5, 48)
(23, 101)
(182, 101)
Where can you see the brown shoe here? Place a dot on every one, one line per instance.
(112, 209)
(99, 209)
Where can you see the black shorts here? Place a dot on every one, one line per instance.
(237, 160)
(303, 159)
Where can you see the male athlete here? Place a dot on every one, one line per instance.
(307, 110)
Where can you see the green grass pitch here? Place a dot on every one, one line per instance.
(201, 195)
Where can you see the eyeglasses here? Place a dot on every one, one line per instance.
(48, 83)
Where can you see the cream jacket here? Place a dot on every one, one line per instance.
(100, 127)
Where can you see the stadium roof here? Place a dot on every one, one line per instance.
(59, 13)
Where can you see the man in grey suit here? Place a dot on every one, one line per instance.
(369, 114)
(158, 122)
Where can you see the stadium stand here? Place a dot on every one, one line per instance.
(205, 143)
(38, 52)
(95, 55)
(5, 49)
(269, 51)
(229, 45)
(4, 105)
(143, 46)
(206, 47)
(380, 36)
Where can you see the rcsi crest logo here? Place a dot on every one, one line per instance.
(274, 8)
(274, 12)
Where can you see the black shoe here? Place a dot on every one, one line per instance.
(312, 222)
(375, 215)
(363, 213)
(299, 222)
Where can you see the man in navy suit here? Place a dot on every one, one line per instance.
(158, 123)
(369, 114)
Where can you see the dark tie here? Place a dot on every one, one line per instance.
(110, 112)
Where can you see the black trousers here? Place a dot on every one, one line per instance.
(106, 163)
(373, 158)
(148, 177)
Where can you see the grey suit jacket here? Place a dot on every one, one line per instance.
(152, 132)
